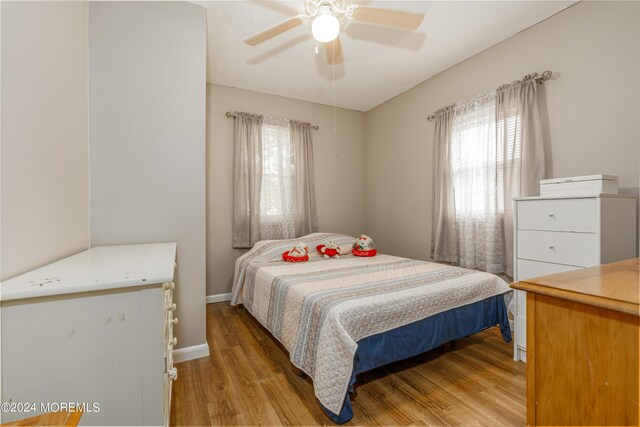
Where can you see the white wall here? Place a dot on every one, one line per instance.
(147, 138)
(339, 167)
(44, 152)
(591, 115)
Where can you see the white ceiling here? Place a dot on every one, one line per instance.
(379, 63)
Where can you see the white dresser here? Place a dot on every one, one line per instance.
(93, 330)
(558, 234)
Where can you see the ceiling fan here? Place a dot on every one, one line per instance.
(327, 16)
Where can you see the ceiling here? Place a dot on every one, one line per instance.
(379, 62)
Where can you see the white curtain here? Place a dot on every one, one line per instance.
(247, 179)
(519, 137)
(476, 185)
(444, 242)
(304, 194)
(487, 151)
(276, 201)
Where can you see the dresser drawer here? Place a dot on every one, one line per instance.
(579, 249)
(577, 215)
(527, 269)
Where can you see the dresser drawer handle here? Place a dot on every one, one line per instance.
(172, 307)
(169, 285)
(173, 374)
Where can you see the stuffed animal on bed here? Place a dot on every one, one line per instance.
(330, 250)
(299, 253)
(364, 246)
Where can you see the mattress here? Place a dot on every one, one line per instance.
(320, 309)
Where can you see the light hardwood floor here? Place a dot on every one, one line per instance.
(248, 380)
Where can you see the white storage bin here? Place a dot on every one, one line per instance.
(589, 185)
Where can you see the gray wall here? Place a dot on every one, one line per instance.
(44, 149)
(147, 132)
(590, 110)
(339, 158)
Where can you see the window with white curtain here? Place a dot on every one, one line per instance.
(276, 196)
(473, 158)
(479, 159)
(487, 150)
(273, 179)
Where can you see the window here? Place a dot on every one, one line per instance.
(276, 195)
(488, 150)
(273, 184)
(480, 159)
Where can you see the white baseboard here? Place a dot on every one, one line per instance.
(190, 353)
(218, 298)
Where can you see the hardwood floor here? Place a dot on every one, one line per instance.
(248, 380)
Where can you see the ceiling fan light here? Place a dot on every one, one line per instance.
(325, 27)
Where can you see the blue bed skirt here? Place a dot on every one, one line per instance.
(421, 336)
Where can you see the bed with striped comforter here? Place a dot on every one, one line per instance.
(320, 309)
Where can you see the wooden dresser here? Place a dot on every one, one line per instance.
(582, 343)
(94, 330)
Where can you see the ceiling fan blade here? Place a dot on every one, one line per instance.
(387, 17)
(274, 31)
(333, 49)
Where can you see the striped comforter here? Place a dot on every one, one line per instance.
(320, 309)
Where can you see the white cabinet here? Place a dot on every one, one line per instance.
(95, 330)
(557, 234)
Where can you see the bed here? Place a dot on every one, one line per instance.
(341, 317)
